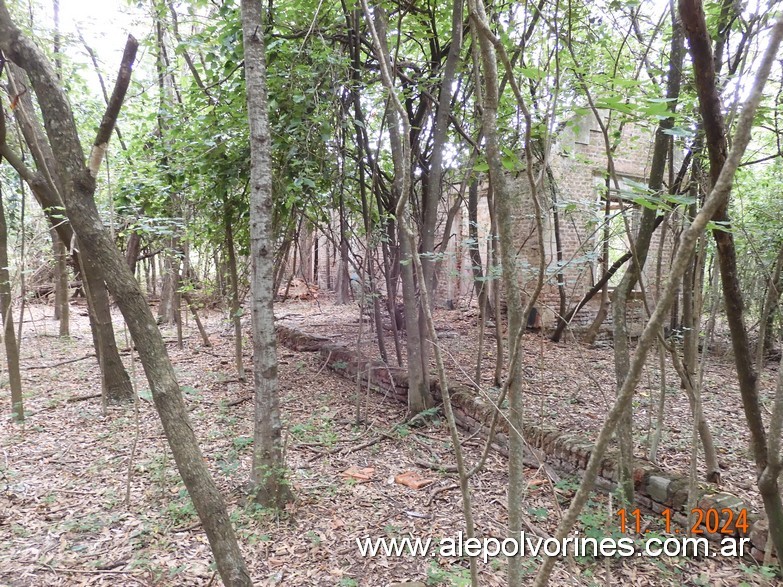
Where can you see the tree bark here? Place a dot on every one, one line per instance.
(603, 307)
(440, 135)
(479, 281)
(768, 311)
(561, 285)
(61, 304)
(132, 250)
(202, 331)
(353, 18)
(268, 476)
(236, 309)
(343, 277)
(419, 396)
(506, 206)
(78, 195)
(47, 188)
(718, 197)
(167, 311)
(640, 249)
(9, 334)
(692, 13)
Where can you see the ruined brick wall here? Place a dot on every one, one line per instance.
(655, 489)
(578, 161)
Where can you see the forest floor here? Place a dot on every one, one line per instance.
(71, 514)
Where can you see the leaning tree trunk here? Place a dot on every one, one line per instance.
(78, 195)
(45, 185)
(641, 247)
(268, 475)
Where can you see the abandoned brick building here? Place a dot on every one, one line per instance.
(579, 163)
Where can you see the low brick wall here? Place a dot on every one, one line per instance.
(656, 490)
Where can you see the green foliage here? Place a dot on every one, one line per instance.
(318, 430)
(756, 212)
(438, 574)
(242, 442)
(758, 574)
(181, 511)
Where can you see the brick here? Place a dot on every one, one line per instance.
(655, 490)
(678, 493)
(658, 507)
(658, 488)
(758, 535)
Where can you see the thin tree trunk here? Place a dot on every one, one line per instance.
(655, 437)
(61, 307)
(603, 307)
(640, 249)
(328, 266)
(153, 262)
(201, 330)
(167, 310)
(479, 281)
(61, 304)
(506, 205)
(78, 191)
(9, 335)
(440, 135)
(561, 285)
(132, 250)
(177, 303)
(236, 310)
(268, 475)
(118, 386)
(496, 288)
(767, 312)
(767, 466)
(419, 396)
(343, 277)
(368, 223)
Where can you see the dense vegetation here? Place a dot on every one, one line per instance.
(240, 143)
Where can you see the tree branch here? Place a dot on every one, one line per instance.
(109, 120)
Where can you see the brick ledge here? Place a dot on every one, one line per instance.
(655, 489)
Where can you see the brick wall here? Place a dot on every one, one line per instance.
(578, 163)
(655, 489)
